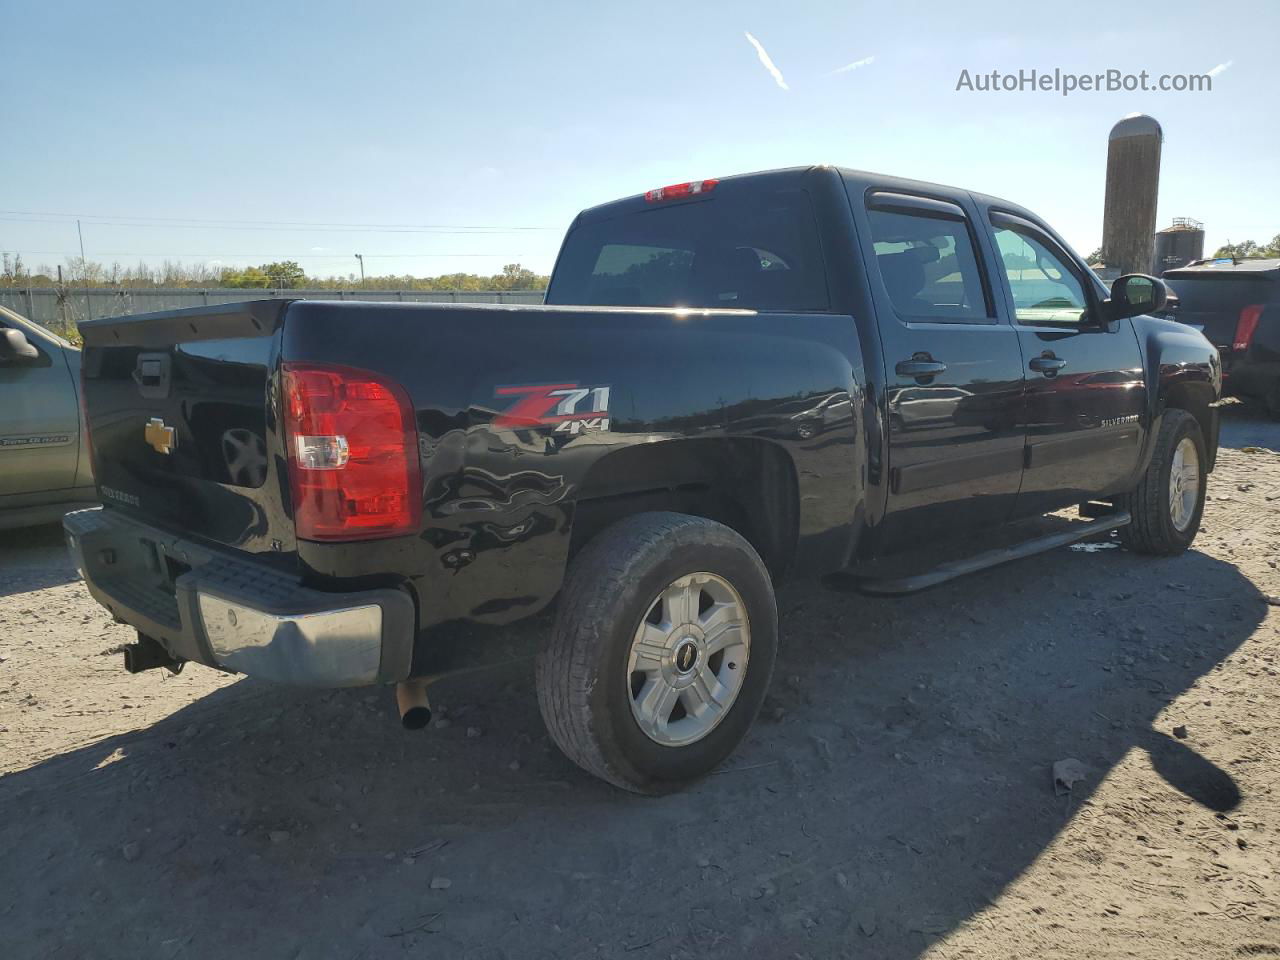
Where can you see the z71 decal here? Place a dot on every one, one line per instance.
(566, 407)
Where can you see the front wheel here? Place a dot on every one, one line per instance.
(1168, 503)
(661, 654)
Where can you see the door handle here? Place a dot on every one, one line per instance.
(1047, 364)
(920, 366)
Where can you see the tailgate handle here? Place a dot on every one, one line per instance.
(151, 374)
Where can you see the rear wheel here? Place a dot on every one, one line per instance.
(1168, 503)
(661, 653)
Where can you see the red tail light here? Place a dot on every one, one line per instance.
(353, 454)
(678, 191)
(1246, 326)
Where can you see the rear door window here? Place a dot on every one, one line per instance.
(744, 246)
(928, 266)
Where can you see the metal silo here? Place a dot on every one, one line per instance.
(1133, 185)
(1179, 244)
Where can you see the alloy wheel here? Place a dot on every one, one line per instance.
(688, 659)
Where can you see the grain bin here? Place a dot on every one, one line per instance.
(1179, 244)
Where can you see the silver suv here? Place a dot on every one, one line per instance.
(44, 461)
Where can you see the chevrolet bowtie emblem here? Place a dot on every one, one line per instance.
(159, 436)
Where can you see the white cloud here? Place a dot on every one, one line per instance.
(1220, 68)
(766, 61)
(853, 66)
(319, 249)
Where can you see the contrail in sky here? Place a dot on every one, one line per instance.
(766, 61)
(1215, 71)
(852, 66)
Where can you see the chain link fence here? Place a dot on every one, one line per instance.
(60, 308)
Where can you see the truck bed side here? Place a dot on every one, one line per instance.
(718, 411)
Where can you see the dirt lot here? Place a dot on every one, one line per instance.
(895, 800)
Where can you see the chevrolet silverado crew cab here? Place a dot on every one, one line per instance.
(802, 372)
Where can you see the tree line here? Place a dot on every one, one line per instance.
(280, 275)
(1251, 250)
(1245, 250)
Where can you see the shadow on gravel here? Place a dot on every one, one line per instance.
(34, 558)
(1187, 771)
(898, 780)
(1244, 425)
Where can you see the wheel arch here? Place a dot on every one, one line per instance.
(1196, 397)
(1184, 372)
(748, 484)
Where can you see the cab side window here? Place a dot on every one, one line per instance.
(928, 266)
(1045, 289)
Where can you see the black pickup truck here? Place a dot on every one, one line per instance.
(799, 372)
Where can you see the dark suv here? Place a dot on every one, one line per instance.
(1236, 303)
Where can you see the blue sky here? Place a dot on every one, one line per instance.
(492, 116)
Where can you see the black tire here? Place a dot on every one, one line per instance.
(581, 672)
(1152, 529)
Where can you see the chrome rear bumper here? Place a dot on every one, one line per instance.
(236, 614)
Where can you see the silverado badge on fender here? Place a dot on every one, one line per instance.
(160, 437)
(558, 405)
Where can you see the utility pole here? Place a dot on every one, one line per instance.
(360, 257)
(62, 301)
(84, 273)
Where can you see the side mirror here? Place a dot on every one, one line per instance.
(15, 347)
(1136, 293)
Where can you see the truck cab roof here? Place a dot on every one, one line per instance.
(797, 176)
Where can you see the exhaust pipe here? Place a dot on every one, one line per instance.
(415, 708)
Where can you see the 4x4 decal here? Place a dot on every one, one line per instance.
(567, 407)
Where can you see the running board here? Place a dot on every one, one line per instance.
(991, 558)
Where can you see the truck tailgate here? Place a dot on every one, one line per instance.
(179, 408)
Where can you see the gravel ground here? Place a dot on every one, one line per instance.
(896, 799)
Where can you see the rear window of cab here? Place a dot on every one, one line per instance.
(740, 247)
